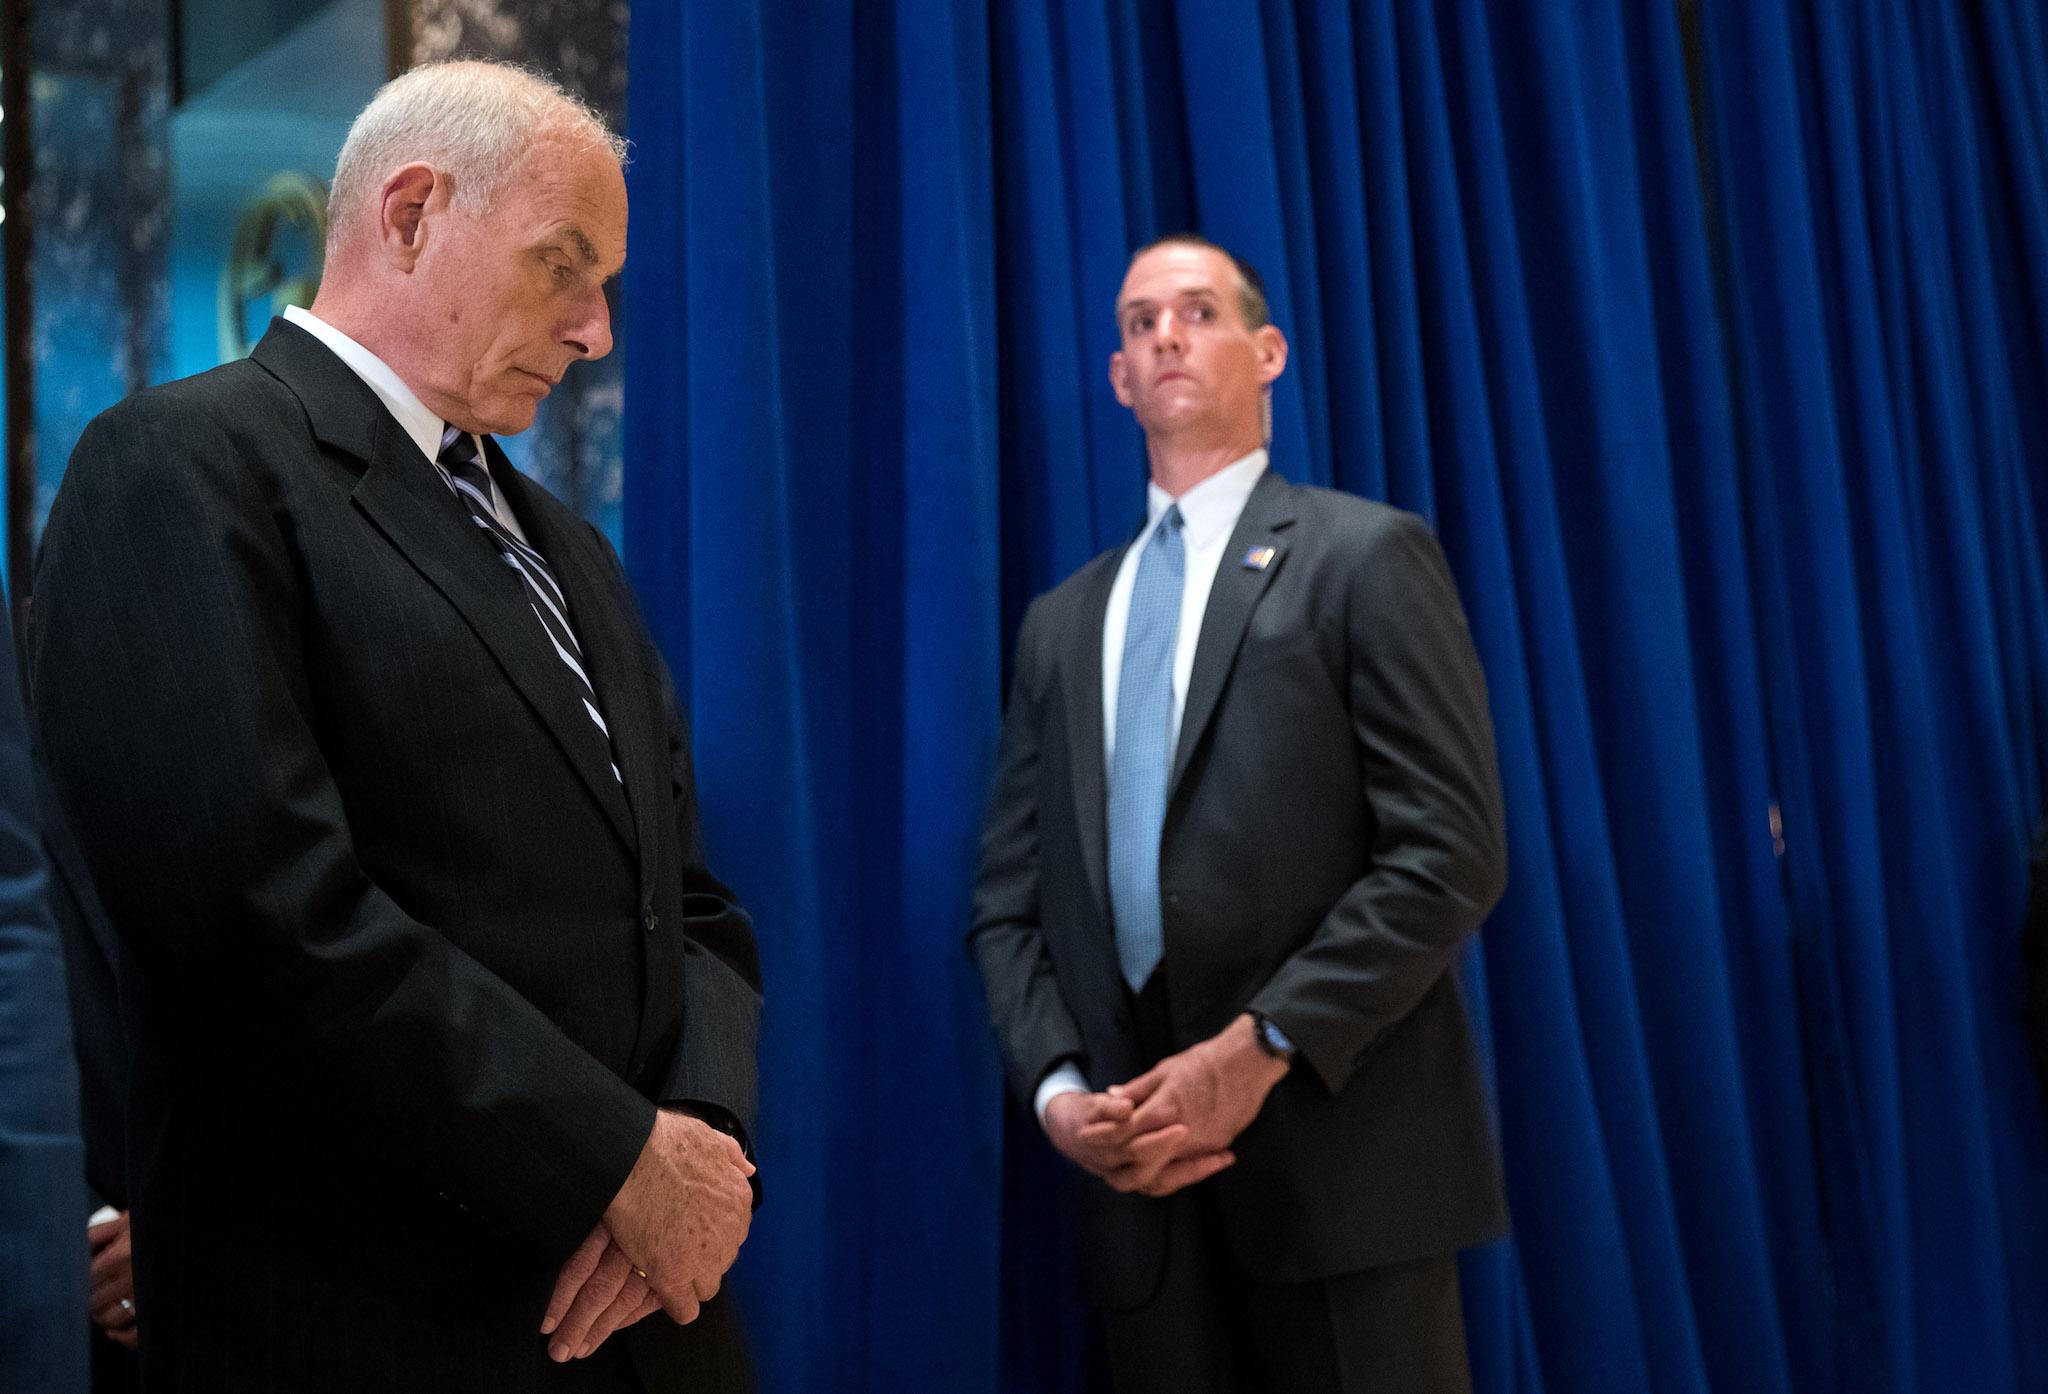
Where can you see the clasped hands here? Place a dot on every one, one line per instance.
(665, 1241)
(1173, 1125)
(113, 1279)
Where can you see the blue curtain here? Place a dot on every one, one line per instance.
(1885, 204)
(1741, 480)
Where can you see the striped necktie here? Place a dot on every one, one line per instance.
(472, 484)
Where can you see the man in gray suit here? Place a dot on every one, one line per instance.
(1245, 815)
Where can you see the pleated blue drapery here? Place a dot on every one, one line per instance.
(1741, 477)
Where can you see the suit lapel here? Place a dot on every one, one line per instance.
(1081, 667)
(1235, 594)
(624, 692)
(404, 497)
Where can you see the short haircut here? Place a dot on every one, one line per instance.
(1251, 289)
(474, 121)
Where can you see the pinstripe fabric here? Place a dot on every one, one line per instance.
(425, 961)
(472, 484)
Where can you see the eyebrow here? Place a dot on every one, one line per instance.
(1143, 303)
(585, 248)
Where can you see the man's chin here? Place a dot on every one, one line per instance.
(512, 418)
(1175, 417)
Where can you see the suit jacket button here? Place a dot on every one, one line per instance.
(649, 920)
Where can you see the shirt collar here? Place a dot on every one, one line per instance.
(419, 420)
(1210, 509)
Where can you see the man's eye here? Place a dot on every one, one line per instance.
(1203, 313)
(1141, 324)
(562, 272)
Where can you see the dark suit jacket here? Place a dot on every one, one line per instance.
(406, 968)
(1333, 833)
(99, 1029)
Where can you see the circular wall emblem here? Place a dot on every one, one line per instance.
(280, 241)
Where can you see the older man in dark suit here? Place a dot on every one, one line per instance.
(1245, 815)
(443, 1034)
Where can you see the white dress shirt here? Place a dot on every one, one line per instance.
(1209, 514)
(415, 416)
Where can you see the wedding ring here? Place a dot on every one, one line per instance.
(642, 1274)
(127, 1305)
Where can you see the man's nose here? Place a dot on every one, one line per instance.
(1166, 332)
(589, 332)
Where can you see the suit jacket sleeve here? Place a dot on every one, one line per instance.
(172, 680)
(713, 1070)
(715, 1062)
(1439, 859)
(1033, 1023)
(98, 1026)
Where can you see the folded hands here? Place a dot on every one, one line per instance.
(1173, 1125)
(665, 1242)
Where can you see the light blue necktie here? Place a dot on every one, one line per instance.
(1144, 751)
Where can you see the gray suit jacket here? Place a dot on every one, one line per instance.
(1333, 834)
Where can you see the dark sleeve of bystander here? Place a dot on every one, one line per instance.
(42, 1172)
(2035, 947)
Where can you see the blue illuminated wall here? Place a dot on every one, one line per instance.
(99, 90)
(286, 108)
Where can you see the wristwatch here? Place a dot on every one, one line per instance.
(1271, 1038)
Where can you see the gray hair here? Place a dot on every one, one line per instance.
(474, 121)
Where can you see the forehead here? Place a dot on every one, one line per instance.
(569, 190)
(1176, 269)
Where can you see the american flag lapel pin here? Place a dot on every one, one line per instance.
(1257, 558)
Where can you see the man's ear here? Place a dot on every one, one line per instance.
(1271, 346)
(411, 195)
(1120, 377)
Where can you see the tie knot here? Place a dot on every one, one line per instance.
(459, 455)
(1170, 522)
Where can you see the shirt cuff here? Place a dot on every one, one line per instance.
(1065, 1078)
